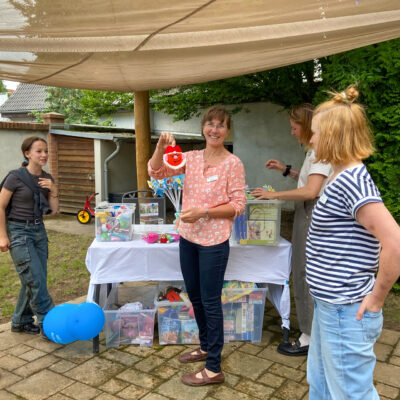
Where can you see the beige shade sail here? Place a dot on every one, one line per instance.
(133, 45)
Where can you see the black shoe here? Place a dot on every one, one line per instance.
(292, 349)
(30, 328)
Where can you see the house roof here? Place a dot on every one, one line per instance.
(26, 98)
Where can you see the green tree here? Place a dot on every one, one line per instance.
(3, 89)
(285, 86)
(376, 71)
(86, 106)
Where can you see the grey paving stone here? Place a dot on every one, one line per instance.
(388, 374)
(80, 391)
(18, 350)
(9, 339)
(271, 354)
(230, 379)
(170, 351)
(4, 395)
(59, 396)
(41, 385)
(35, 366)
(266, 338)
(149, 363)
(44, 345)
(107, 396)
(225, 393)
(132, 392)
(271, 380)
(291, 391)
(254, 389)
(229, 348)
(95, 371)
(246, 365)
(32, 355)
(10, 363)
(382, 351)
(394, 360)
(62, 366)
(250, 349)
(287, 372)
(121, 357)
(140, 351)
(176, 389)
(388, 391)
(154, 396)
(389, 337)
(77, 352)
(140, 378)
(113, 386)
(165, 371)
(397, 350)
(7, 378)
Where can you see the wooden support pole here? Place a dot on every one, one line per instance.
(143, 140)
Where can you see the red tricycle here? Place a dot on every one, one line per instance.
(86, 213)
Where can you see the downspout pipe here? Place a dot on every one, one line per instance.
(106, 161)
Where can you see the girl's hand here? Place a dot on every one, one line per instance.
(192, 214)
(275, 164)
(166, 139)
(260, 194)
(47, 184)
(4, 244)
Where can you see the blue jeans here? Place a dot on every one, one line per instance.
(29, 251)
(341, 357)
(203, 269)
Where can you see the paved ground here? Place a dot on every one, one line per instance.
(33, 369)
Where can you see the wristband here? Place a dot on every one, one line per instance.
(287, 170)
(207, 216)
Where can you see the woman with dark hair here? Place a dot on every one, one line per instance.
(23, 233)
(213, 195)
(311, 181)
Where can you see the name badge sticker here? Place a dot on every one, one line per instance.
(323, 199)
(212, 178)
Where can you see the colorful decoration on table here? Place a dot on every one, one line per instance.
(114, 223)
(234, 294)
(171, 187)
(153, 237)
(171, 294)
(66, 323)
(174, 158)
(249, 196)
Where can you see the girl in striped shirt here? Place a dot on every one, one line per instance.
(350, 235)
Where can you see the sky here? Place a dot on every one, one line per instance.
(10, 84)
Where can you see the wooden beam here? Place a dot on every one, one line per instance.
(143, 141)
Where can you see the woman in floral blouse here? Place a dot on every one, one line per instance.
(213, 195)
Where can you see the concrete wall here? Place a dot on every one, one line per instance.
(121, 169)
(10, 145)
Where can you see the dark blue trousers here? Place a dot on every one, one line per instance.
(203, 269)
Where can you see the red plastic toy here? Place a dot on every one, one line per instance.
(86, 213)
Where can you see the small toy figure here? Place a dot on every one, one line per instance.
(174, 158)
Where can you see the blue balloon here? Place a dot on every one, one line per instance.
(86, 322)
(55, 323)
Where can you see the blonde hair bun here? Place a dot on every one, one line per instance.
(349, 95)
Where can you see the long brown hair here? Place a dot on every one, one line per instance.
(302, 115)
(27, 145)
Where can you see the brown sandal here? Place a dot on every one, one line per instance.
(191, 380)
(189, 357)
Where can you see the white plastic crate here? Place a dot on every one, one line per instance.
(260, 224)
(130, 327)
(114, 222)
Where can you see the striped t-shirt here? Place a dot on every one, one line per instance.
(342, 256)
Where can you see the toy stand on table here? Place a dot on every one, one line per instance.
(140, 197)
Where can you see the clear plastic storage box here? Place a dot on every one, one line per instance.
(260, 224)
(243, 311)
(114, 222)
(126, 322)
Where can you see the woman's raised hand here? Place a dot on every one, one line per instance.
(166, 139)
(275, 164)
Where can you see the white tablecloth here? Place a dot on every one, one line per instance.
(114, 262)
